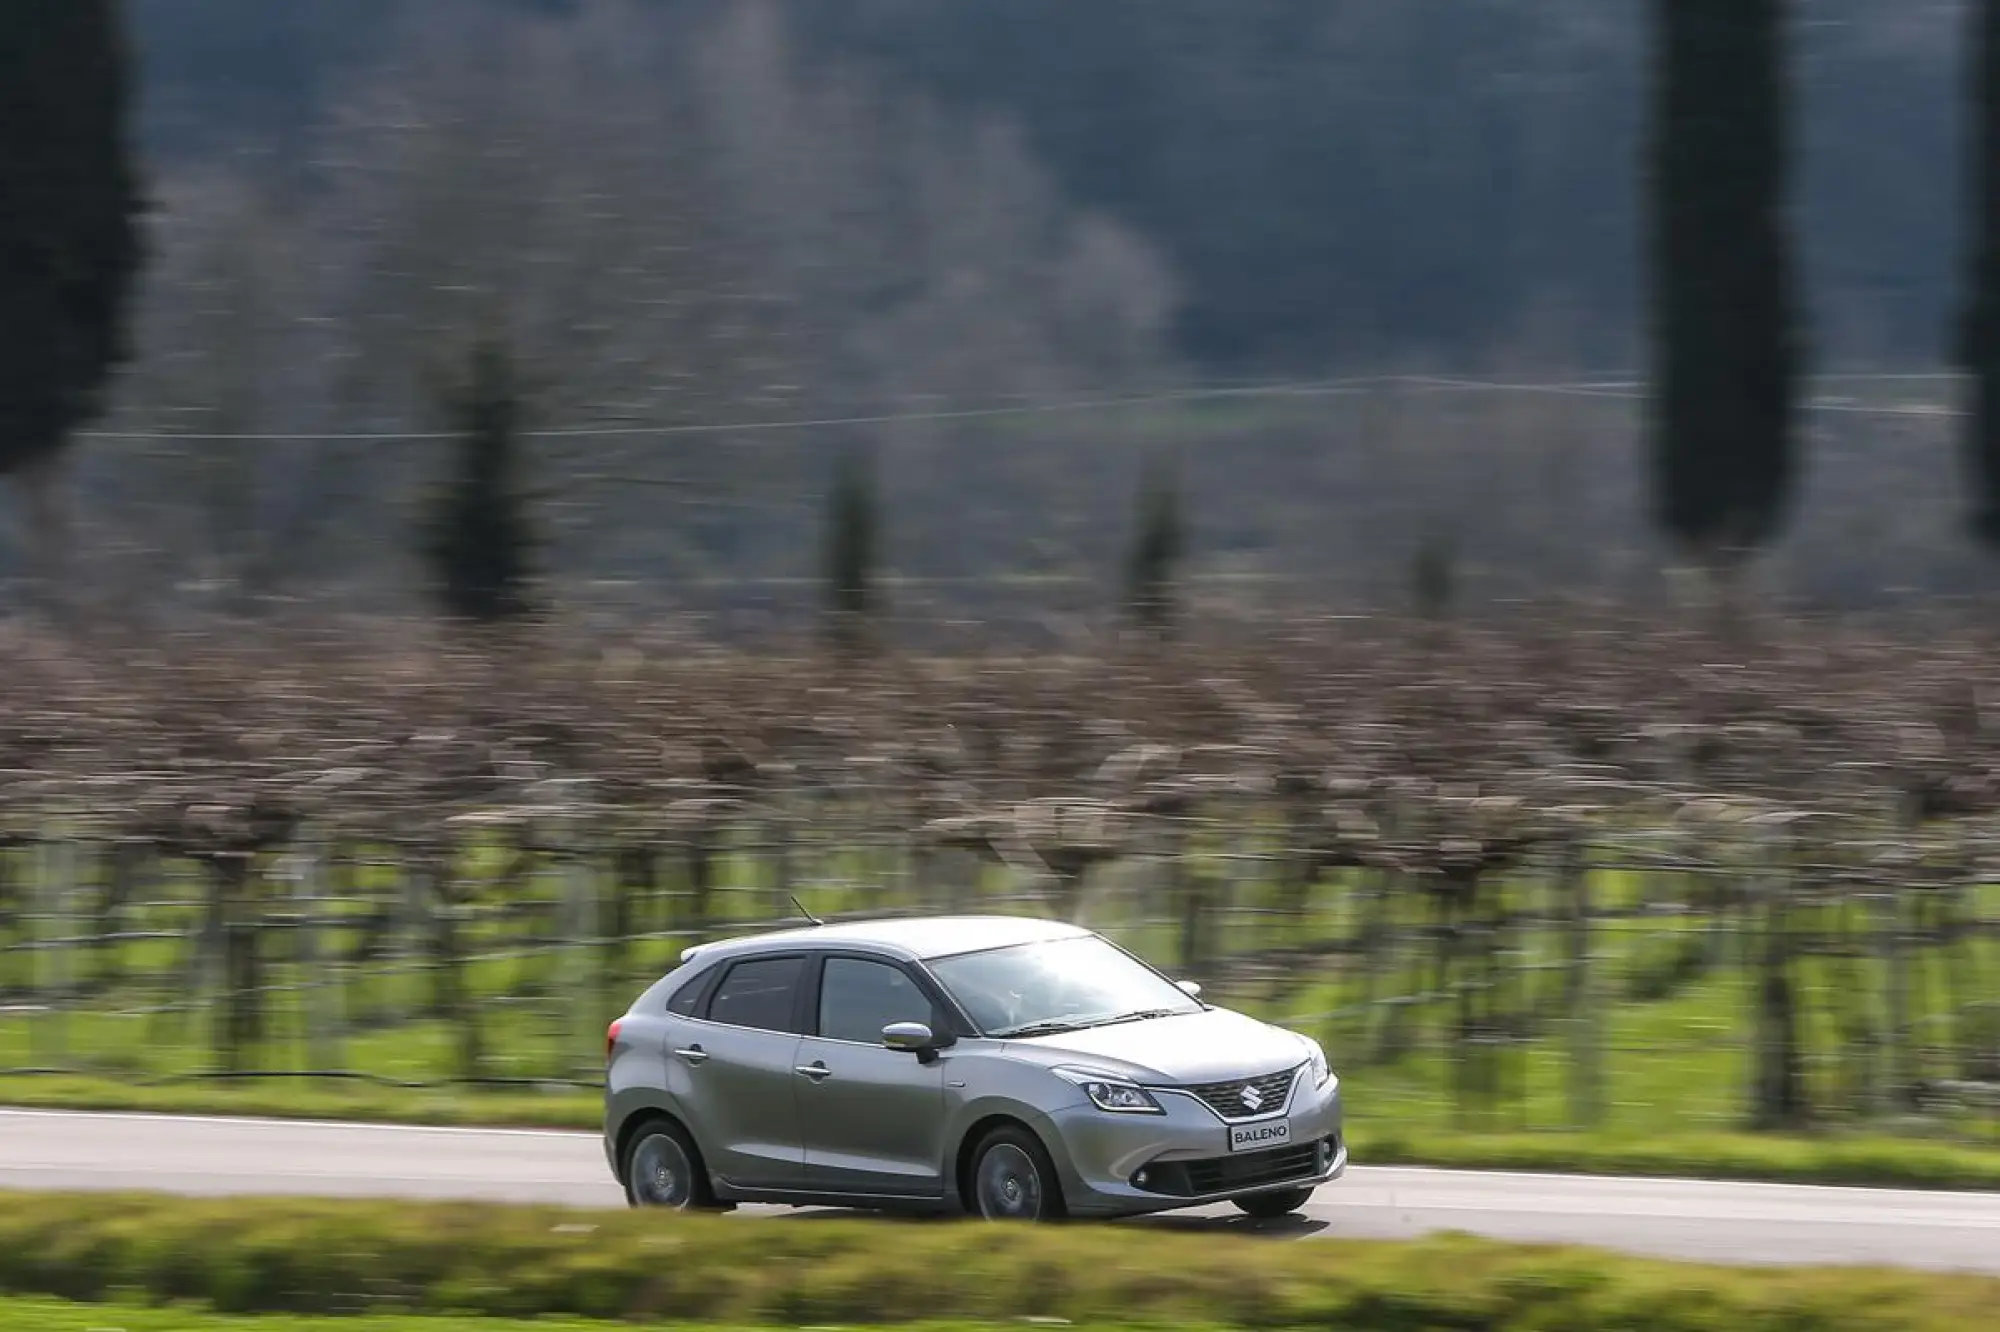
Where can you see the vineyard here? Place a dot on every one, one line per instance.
(1565, 873)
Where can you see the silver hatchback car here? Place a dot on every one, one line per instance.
(1011, 1068)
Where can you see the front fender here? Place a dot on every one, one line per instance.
(971, 1118)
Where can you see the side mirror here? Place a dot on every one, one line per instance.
(911, 1038)
(1189, 988)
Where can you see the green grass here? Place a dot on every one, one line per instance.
(62, 1316)
(1675, 1047)
(65, 1316)
(292, 1258)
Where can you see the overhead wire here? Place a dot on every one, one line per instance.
(1623, 389)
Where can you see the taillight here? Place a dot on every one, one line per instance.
(610, 1040)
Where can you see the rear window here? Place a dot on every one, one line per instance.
(760, 993)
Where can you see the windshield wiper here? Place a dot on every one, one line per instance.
(1144, 1015)
(1047, 1027)
(1057, 1026)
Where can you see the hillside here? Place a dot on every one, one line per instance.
(1339, 181)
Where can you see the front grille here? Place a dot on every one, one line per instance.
(1227, 1098)
(1230, 1174)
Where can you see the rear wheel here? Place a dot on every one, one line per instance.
(664, 1169)
(1266, 1206)
(1013, 1179)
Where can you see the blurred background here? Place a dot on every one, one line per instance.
(1303, 420)
(1367, 280)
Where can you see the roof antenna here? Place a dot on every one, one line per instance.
(802, 909)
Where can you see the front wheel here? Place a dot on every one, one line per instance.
(1268, 1206)
(1013, 1178)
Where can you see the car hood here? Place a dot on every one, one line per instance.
(1213, 1045)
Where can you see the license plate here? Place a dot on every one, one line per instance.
(1256, 1137)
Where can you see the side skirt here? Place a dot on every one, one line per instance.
(869, 1202)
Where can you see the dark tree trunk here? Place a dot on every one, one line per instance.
(1580, 998)
(1979, 325)
(241, 1033)
(122, 864)
(1891, 935)
(634, 875)
(1407, 955)
(1854, 1009)
(701, 880)
(1192, 892)
(10, 919)
(451, 991)
(1780, 1098)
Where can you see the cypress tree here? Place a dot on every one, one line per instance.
(1157, 546)
(1978, 344)
(1724, 306)
(1433, 576)
(70, 248)
(478, 535)
(850, 550)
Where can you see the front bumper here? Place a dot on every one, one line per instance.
(1121, 1165)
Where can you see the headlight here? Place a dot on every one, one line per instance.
(1117, 1095)
(1321, 1074)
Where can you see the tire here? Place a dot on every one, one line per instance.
(664, 1169)
(1012, 1178)
(1270, 1206)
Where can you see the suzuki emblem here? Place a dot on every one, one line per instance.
(1252, 1098)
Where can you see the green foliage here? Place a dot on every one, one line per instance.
(69, 205)
(852, 549)
(478, 536)
(1724, 301)
(283, 1256)
(1158, 545)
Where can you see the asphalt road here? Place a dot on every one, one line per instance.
(1693, 1219)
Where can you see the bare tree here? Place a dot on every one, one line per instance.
(684, 234)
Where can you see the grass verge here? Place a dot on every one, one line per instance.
(1833, 1158)
(297, 1257)
(67, 1316)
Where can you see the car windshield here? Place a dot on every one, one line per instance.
(1057, 985)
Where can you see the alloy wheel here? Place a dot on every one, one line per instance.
(1008, 1185)
(662, 1176)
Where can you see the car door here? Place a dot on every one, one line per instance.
(737, 1063)
(873, 1117)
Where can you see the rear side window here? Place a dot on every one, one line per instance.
(760, 993)
(683, 1001)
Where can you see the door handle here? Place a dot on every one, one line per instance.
(815, 1070)
(694, 1054)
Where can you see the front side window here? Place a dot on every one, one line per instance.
(1057, 985)
(858, 998)
(759, 993)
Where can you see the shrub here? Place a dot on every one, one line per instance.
(278, 1256)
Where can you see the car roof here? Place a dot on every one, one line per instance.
(914, 937)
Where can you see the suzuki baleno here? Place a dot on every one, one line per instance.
(1011, 1068)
